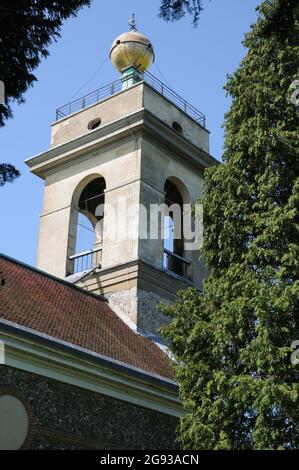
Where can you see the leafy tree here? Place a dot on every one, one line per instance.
(7, 173)
(173, 10)
(233, 341)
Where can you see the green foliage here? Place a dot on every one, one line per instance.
(8, 173)
(173, 10)
(232, 342)
(26, 30)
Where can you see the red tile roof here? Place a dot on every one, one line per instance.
(48, 305)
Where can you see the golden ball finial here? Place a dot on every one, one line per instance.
(132, 49)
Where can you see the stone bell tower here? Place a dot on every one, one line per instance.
(116, 155)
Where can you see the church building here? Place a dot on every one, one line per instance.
(82, 361)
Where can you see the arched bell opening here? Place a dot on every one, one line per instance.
(174, 255)
(89, 204)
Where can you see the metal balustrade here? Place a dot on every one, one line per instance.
(86, 260)
(116, 86)
(176, 263)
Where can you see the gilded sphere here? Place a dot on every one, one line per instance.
(132, 49)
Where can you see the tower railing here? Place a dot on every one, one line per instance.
(86, 260)
(176, 263)
(174, 98)
(88, 100)
(116, 86)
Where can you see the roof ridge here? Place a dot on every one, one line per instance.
(53, 278)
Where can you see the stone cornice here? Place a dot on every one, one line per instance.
(129, 126)
(142, 273)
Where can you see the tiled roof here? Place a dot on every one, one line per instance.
(48, 305)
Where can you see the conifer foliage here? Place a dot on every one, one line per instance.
(173, 10)
(232, 342)
(8, 173)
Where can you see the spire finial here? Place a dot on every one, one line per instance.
(132, 23)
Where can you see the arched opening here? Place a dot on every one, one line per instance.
(89, 231)
(174, 259)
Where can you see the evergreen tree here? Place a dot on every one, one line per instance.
(232, 342)
(8, 173)
(173, 10)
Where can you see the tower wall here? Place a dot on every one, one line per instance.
(119, 165)
(109, 110)
(135, 149)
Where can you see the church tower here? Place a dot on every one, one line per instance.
(121, 157)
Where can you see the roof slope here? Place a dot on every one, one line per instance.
(48, 305)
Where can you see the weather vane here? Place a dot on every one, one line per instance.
(132, 23)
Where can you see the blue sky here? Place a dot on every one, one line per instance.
(194, 62)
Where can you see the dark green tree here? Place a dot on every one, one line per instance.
(173, 10)
(233, 342)
(7, 173)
